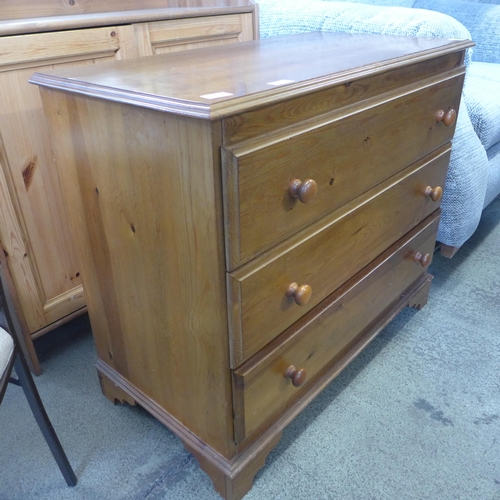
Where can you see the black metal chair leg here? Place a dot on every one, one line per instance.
(42, 418)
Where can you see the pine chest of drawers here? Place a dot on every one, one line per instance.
(248, 218)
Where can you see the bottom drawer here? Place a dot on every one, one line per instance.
(261, 390)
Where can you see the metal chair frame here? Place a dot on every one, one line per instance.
(24, 378)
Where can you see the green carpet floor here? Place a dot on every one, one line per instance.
(415, 416)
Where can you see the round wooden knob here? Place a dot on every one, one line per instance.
(423, 259)
(298, 377)
(435, 194)
(447, 117)
(301, 294)
(304, 191)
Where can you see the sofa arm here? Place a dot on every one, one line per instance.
(481, 19)
(286, 17)
(281, 17)
(466, 184)
(486, 1)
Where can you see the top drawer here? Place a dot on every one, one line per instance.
(343, 157)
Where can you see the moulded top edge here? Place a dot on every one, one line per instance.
(219, 81)
(25, 25)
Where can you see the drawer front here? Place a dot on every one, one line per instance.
(261, 391)
(40, 49)
(344, 158)
(194, 33)
(259, 307)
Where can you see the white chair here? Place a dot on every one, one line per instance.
(12, 357)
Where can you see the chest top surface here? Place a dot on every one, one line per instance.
(234, 78)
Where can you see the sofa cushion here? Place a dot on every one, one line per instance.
(384, 3)
(485, 1)
(481, 19)
(482, 98)
(493, 188)
(282, 17)
(497, 2)
(466, 184)
(6, 349)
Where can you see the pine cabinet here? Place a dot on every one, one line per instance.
(33, 224)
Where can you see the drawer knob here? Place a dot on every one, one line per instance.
(435, 194)
(302, 294)
(424, 259)
(304, 191)
(298, 377)
(447, 117)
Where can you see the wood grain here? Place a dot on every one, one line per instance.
(143, 187)
(196, 33)
(366, 228)
(205, 350)
(51, 289)
(29, 9)
(360, 91)
(35, 50)
(177, 83)
(234, 481)
(14, 242)
(261, 389)
(232, 478)
(10, 295)
(33, 224)
(417, 291)
(347, 154)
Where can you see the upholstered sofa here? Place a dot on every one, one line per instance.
(474, 174)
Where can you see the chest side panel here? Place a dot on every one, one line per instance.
(143, 194)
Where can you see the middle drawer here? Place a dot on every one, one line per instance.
(260, 305)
